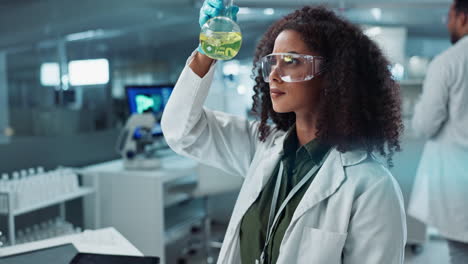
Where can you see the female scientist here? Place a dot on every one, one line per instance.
(314, 190)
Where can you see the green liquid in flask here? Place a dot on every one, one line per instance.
(221, 45)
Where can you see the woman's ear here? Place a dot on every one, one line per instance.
(461, 20)
(464, 20)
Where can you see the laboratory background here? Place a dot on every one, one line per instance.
(81, 160)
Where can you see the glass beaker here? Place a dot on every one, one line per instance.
(220, 37)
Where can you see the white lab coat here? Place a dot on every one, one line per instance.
(440, 193)
(352, 212)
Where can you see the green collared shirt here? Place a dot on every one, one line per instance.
(297, 161)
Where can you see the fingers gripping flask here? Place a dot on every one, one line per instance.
(220, 37)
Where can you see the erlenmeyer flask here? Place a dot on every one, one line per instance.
(220, 37)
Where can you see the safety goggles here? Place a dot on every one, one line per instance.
(290, 67)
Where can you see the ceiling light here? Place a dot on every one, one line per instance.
(50, 74)
(269, 11)
(376, 13)
(89, 72)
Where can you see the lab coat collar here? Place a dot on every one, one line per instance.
(328, 179)
(353, 157)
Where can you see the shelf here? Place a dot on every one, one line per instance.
(182, 229)
(180, 190)
(83, 191)
(36, 235)
(179, 215)
(171, 199)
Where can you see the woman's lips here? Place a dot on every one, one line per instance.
(276, 93)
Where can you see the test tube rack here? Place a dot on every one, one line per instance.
(21, 195)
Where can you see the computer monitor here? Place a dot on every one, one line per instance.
(148, 98)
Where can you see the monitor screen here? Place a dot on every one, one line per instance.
(143, 99)
(150, 98)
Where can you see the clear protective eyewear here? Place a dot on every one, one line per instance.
(291, 67)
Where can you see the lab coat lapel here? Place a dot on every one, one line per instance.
(261, 175)
(328, 179)
(271, 158)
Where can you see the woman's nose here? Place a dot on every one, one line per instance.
(274, 75)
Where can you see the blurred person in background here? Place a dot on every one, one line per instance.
(440, 192)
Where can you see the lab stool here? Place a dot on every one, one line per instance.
(210, 182)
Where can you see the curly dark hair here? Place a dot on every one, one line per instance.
(461, 6)
(360, 102)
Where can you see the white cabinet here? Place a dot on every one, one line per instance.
(138, 205)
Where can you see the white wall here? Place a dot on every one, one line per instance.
(392, 41)
(426, 46)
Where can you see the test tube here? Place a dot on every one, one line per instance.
(5, 176)
(31, 171)
(78, 230)
(2, 240)
(40, 170)
(5, 188)
(14, 186)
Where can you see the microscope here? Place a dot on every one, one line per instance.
(138, 142)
